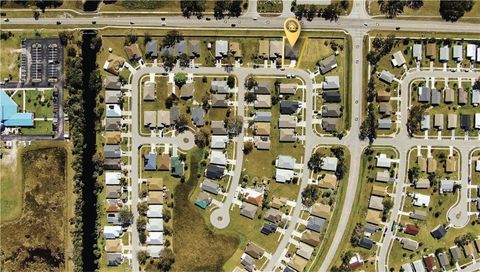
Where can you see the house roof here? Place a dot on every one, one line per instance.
(424, 94)
(248, 210)
(330, 124)
(273, 215)
(376, 203)
(112, 97)
(365, 243)
(425, 123)
(155, 197)
(177, 166)
(444, 53)
(287, 135)
(149, 118)
(439, 232)
(218, 128)
(262, 142)
(310, 237)
(218, 141)
(163, 118)
(417, 51)
(220, 86)
(329, 164)
(283, 175)
(329, 181)
(443, 259)
(210, 186)
(421, 200)
(155, 224)
(194, 48)
(151, 48)
(263, 102)
(113, 191)
(218, 157)
(9, 117)
(465, 121)
(289, 107)
(383, 96)
(187, 90)
(219, 100)
(374, 217)
(462, 96)
(111, 151)
(133, 51)
(215, 171)
(451, 165)
(275, 49)
(431, 51)
(150, 162)
(383, 176)
(383, 161)
(418, 266)
(422, 183)
(287, 121)
(458, 52)
(449, 95)
(113, 64)
(285, 162)
(298, 263)
(327, 64)
(221, 48)
(149, 90)
(114, 245)
(263, 116)
(419, 214)
(235, 49)
(455, 252)
(197, 116)
(113, 137)
(155, 210)
(476, 96)
(288, 88)
(278, 202)
(411, 229)
(262, 129)
(114, 258)
(398, 59)
(320, 210)
(430, 263)
(331, 83)
(438, 120)
(436, 97)
(263, 47)
(379, 191)
(305, 250)
(254, 251)
(386, 76)
(332, 96)
(452, 121)
(315, 223)
(112, 83)
(155, 238)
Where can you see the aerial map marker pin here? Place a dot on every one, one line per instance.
(292, 30)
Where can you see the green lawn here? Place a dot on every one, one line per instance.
(11, 194)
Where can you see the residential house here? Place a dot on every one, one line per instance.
(235, 50)
(113, 64)
(383, 176)
(263, 46)
(111, 151)
(113, 137)
(330, 124)
(311, 238)
(332, 97)
(113, 191)
(298, 263)
(264, 116)
(376, 203)
(465, 121)
(449, 95)
(365, 243)
(452, 121)
(151, 49)
(320, 210)
(315, 223)
(288, 88)
(198, 117)
(379, 191)
(113, 97)
(254, 251)
(477, 120)
(180, 48)
(455, 253)
(383, 161)
(385, 123)
(439, 232)
(112, 232)
(443, 259)
(194, 48)
(263, 102)
(436, 97)
(163, 162)
(475, 97)
(111, 83)
(288, 135)
(187, 90)
(248, 210)
(155, 198)
(420, 200)
(163, 118)
(220, 86)
(438, 121)
(215, 171)
(112, 164)
(203, 200)
(218, 128)
(287, 121)
(462, 96)
(423, 94)
(261, 142)
(471, 51)
(327, 64)
(386, 76)
(289, 107)
(219, 101)
(221, 49)
(305, 251)
(425, 123)
(149, 90)
(114, 258)
(262, 88)
(430, 262)
(218, 158)
(155, 184)
(419, 215)
(431, 52)
(273, 215)
(383, 96)
(385, 108)
(328, 181)
(332, 110)
(398, 59)
(444, 54)
(210, 187)
(331, 83)
(422, 183)
(411, 229)
(329, 164)
(150, 162)
(418, 266)
(283, 175)
(155, 238)
(446, 186)
(458, 53)
(177, 167)
(417, 51)
(261, 129)
(149, 119)
(275, 49)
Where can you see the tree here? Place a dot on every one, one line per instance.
(346, 259)
(234, 124)
(316, 161)
(167, 215)
(310, 195)
(180, 79)
(464, 239)
(195, 7)
(184, 60)
(414, 119)
(250, 83)
(202, 138)
(36, 15)
(368, 128)
(454, 10)
(166, 260)
(142, 207)
(181, 122)
(125, 217)
(414, 4)
(130, 39)
(235, 8)
(247, 147)
(231, 81)
(413, 174)
(171, 38)
(141, 223)
(357, 234)
(250, 97)
(391, 8)
(332, 12)
(387, 204)
(142, 256)
(168, 61)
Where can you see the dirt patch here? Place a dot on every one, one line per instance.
(35, 242)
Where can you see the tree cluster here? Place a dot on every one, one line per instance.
(310, 195)
(382, 46)
(368, 128)
(454, 10)
(331, 12)
(316, 161)
(230, 8)
(414, 120)
(192, 7)
(391, 8)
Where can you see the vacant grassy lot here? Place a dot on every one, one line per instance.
(196, 247)
(35, 242)
(11, 186)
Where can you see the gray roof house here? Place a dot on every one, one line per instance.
(327, 64)
(248, 210)
(218, 157)
(445, 53)
(174, 114)
(398, 59)
(288, 88)
(385, 108)
(180, 48)
(112, 97)
(194, 48)
(263, 116)
(112, 151)
(443, 259)
(417, 51)
(112, 83)
(462, 96)
(329, 164)
(331, 110)
(287, 135)
(113, 124)
(285, 162)
(289, 107)
(476, 97)
(315, 223)
(436, 97)
(330, 124)
(273, 215)
(438, 121)
(386, 76)
(385, 123)
(149, 90)
(197, 117)
(423, 94)
(331, 83)
(458, 53)
(456, 253)
(163, 118)
(425, 123)
(221, 49)
(151, 49)
(218, 128)
(114, 259)
(287, 121)
(219, 101)
(210, 187)
(409, 244)
(220, 86)
(446, 186)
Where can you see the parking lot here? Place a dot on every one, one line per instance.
(41, 62)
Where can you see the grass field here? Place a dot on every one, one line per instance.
(196, 247)
(265, 6)
(36, 241)
(11, 185)
(430, 9)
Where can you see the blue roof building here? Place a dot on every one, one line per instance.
(9, 117)
(151, 162)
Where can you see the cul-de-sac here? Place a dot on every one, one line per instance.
(240, 135)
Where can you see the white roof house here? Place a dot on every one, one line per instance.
(398, 59)
(329, 164)
(155, 211)
(113, 110)
(417, 51)
(478, 54)
(477, 120)
(155, 238)
(218, 157)
(383, 161)
(283, 175)
(331, 83)
(221, 48)
(407, 267)
(458, 52)
(425, 124)
(477, 166)
(219, 141)
(113, 178)
(471, 51)
(419, 266)
(420, 200)
(112, 232)
(154, 251)
(285, 162)
(155, 224)
(445, 53)
(475, 97)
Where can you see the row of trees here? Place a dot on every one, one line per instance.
(368, 128)
(331, 12)
(230, 8)
(381, 47)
